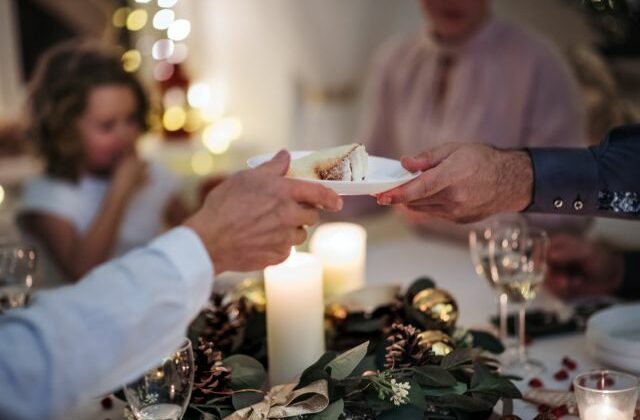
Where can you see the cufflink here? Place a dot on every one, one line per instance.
(578, 204)
(558, 203)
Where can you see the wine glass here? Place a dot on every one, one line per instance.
(518, 263)
(479, 238)
(17, 265)
(163, 393)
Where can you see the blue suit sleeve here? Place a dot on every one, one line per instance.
(603, 180)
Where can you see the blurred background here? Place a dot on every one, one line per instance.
(229, 79)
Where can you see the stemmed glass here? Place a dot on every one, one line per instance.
(479, 239)
(17, 265)
(518, 263)
(163, 393)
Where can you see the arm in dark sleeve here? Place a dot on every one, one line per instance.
(602, 180)
(630, 288)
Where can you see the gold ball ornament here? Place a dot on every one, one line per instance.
(436, 341)
(438, 306)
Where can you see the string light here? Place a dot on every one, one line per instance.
(179, 29)
(137, 20)
(2, 194)
(201, 162)
(198, 95)
(163, 71)
(167, 3)
(180, 53)
(162, 49)
(131, 60)
(173, 97)
(218, 137)
(143, 1)
(119, 18)
(163, 19)
(174, 118)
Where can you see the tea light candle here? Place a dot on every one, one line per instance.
(341, 247)
(295, 316)
(603, 412)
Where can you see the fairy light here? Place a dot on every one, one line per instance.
(2, 194)
(119, 19)
(131, 60)
(167, 3)
(162, 49)
(202, 162)
(174, 118)
(137, 20)
(163, 19)
(179, 30)
(198, 95)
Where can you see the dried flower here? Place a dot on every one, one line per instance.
(399, 392)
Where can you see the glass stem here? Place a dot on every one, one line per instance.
(503, 301)
(522, 337)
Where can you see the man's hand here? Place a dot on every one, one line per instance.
(580, 267)
(465, 182)
(253, 219)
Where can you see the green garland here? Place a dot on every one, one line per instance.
(463, 384)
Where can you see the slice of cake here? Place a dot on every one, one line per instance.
(343, 163)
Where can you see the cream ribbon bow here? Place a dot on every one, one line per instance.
(279, 402)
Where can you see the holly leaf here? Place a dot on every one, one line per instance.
(434, 376)
(332, 412)
(458, 358)
(245, 399)
(342, 366)
(317, 370)
(487, 341)
(246, 372)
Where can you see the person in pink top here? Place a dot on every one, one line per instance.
(469, 77)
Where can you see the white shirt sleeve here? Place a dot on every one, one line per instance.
(123, 318)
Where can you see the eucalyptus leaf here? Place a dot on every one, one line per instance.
(487, 341)
(434, 376)
(343, 365)
(464, 403)
(459, 388)
(332, 412)
(245, 399)
(458, 358)
(316, 371)
(485, 382)
(246, 372)
(416, 396)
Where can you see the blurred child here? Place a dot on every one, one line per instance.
(97, 198)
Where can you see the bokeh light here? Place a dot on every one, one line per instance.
(198, 95)
(131, 60)
(163, 71)
(162, 49)
(173, 97)
(143, 1)
(119, 18)
(194, 121)
(167, 3)
(137, 19)
(179, 30)
(218, 137)
(174, 118)
(202, 162)
(180, 53)
(163, 19)
(2, 194)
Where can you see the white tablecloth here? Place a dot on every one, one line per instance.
(404, 259)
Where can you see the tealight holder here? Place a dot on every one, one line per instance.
(606, 395)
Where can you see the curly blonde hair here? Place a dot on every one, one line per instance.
(59, 92)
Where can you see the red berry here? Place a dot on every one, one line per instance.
(543, 408)
(560, 411)
(569, 363)
(561, 375)
(106, 403)
(535, 383)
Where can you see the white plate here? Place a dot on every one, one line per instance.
(383, 175)
(614, 360)
(616, 330)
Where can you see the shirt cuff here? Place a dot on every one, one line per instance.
(184, 249)
(565, 181)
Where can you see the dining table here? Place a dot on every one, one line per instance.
(397, 254)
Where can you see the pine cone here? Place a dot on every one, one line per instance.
(404, 349)
(224, 320)
(211, 376)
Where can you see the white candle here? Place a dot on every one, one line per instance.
(342, 249)
(295, 316)
(604, 412)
